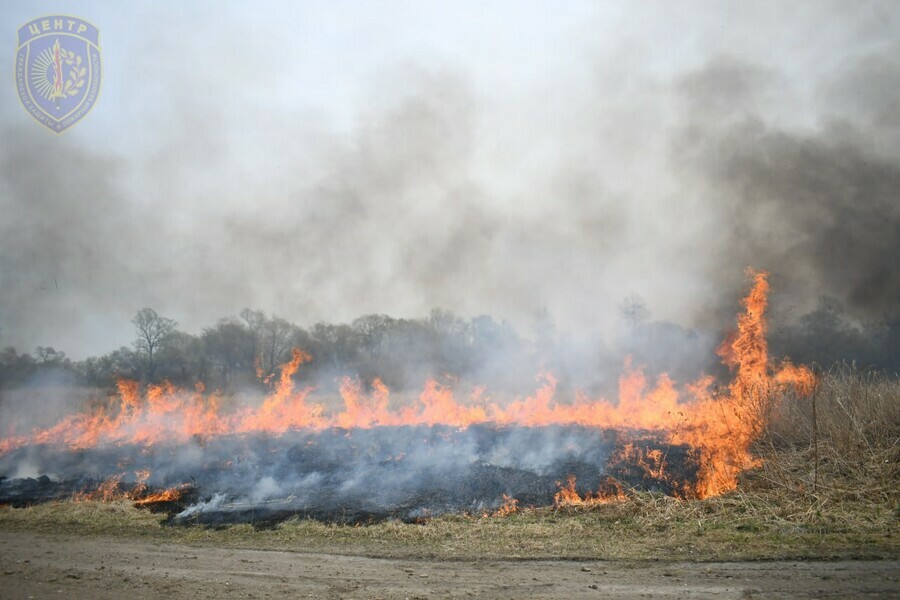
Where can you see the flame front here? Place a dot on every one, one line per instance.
(567, 497)
(720, 427)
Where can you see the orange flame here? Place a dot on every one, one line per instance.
(720, 426)
(108, 491)
(509, 506)
(173, 494)
(112, 489)
(567, 497)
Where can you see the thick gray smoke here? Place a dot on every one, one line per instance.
(819, 208)
(657, 163)
(350, 476)
(598, 177)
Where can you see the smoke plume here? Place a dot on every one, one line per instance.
(656, 163)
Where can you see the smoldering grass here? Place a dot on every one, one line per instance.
(827, 488)
(737, 526)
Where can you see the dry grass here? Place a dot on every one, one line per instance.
(646, 527)
(840, 443)
(828, 488)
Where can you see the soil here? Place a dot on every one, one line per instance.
(39, 565)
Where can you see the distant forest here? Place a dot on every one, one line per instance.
(232, 354)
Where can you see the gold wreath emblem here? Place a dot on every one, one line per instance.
(49, 79)
(75, 81)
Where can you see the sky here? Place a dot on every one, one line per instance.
(325, 160)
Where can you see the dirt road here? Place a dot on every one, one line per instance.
(45, 566)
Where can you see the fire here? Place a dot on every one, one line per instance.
(361, 411)
(718, 427)
(509, 506)
(109, 490)
(173, 494)
(114, 489)
(284, 409)
(567, 497)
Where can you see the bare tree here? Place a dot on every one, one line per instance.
(49, 355)
(152, 331)
(254, 319)
(231, 346)
(634, 310)
(277, 335)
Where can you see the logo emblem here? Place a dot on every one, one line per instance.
(58, 70)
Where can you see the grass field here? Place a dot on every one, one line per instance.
(827, 488)
(736, 527)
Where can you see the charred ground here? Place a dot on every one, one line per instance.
(352, 476)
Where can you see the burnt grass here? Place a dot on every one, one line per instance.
(826, 488)
(360, 476)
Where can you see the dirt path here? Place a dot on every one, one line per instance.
(45, 566)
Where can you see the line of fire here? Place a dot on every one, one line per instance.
(190, 454)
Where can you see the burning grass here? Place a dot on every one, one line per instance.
(737, 526)
(708, 430)
(786, 508)
(779, 464)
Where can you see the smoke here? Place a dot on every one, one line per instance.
(42, 401)
(658, 162)
(404, 472)
(818, 208)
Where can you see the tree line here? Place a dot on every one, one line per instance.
(241, 351)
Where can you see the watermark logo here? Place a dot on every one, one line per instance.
(58, 70)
